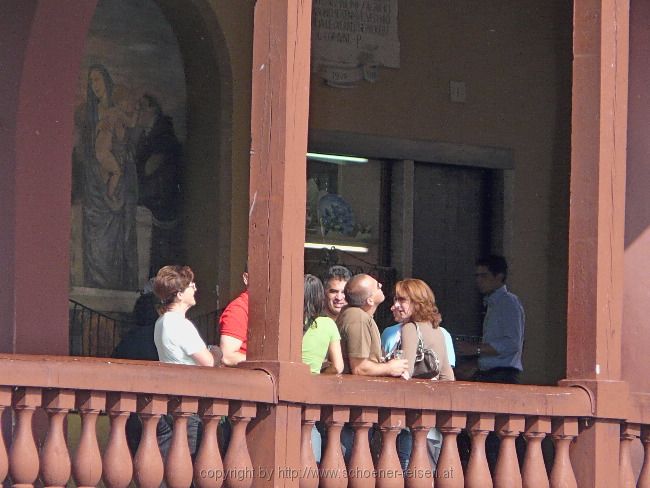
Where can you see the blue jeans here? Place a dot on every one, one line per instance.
(347, 440)
(165, 428)
(316, 443)
(405, 446)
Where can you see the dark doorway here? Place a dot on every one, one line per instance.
(451, 229)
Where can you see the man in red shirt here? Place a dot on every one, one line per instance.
(233, 327)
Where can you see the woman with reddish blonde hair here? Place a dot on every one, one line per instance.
(414, 307)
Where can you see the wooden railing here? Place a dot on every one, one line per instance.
(92, 387)
(479, 408)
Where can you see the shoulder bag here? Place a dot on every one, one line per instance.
(427, 362)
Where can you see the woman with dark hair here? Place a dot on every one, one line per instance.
(321, 339)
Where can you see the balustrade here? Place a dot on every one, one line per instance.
(374, 411)
(478, 471)
(115, 392)
(644, 477)
(332, 468)
(534, 471)
(117, 466)
(55, 458)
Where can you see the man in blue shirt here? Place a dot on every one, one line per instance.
(499, 354)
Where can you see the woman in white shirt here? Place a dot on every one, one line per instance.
(176, 338)
(178, 341)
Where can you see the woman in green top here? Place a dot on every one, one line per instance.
(321, 339)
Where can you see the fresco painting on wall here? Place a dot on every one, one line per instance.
(128, 162)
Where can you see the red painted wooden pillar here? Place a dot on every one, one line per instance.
(39, 61)
(280, 98)
(596, 228)
(40, 64)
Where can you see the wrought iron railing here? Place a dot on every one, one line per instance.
(97, 334)
(93, 333)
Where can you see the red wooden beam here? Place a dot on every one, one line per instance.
(596, 226)
(279, 113)
(278, 177)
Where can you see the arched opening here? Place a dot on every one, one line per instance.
(43, 67)
(151, 164)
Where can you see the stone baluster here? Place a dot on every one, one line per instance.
(332, 460)
(309, 474)
(564, 430)
(23, 456)
(237, 463)
(178, 465)
(148, 463)
(644, 477)
(361, 469)
(117, 464)
(87, 463)
(5, 401)
(55, 459)
(449, 472)
(389, 470)
(629, 433)
(506, 472)
(478, 470)
(420, 473)
(208, 465)
(534, 471)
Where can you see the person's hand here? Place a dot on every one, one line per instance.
(398, 367)
(217, 354)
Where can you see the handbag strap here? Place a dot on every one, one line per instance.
(419, 351)
(420, 341)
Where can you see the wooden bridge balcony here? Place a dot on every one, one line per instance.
(62, 386)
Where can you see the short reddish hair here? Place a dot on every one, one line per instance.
(169, 281)
(422, 300)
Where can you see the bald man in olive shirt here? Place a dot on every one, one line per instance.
(360, 339)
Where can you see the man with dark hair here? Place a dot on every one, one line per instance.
(499, 355)
(334, 283)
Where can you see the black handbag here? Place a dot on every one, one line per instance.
(427, 362)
